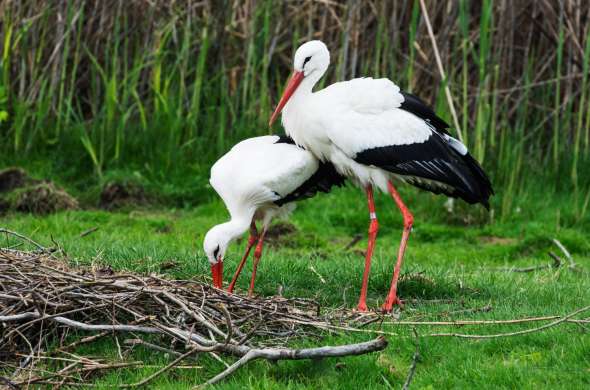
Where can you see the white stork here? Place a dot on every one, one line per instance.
(376, 134)
(259, 179)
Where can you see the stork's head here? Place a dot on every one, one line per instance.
(215, 244)
(311, 57)
(311, 62)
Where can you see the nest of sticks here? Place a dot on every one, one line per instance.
(47, 309)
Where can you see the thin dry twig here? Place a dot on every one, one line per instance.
(320, 277)
(88, 232)
(415, 358)
(25, 238)
(511, 334)
(556, 264)
(566, 253)
(163, 369)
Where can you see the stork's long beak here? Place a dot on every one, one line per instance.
(217, 273)
(294, 82)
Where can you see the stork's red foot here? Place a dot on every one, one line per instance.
(217, 273)
(390, 302)
(362, 307)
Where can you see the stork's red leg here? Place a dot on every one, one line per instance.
(251, 240)
(373, 228)
(392, 298)
(257, 254)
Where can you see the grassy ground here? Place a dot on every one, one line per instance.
(446, 259)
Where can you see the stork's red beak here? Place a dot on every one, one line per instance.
(217, 273)
(294, 82)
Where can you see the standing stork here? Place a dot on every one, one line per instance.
(376, 134)
(259, 179)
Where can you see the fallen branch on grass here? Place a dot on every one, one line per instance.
(558, 262)
(486, 322)
(88, 232)
(566, 253)
(274, 354)
(511, 334)
(415, 358)
(24, 238)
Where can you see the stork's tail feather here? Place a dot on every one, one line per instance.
(477, 188)
(440, 164)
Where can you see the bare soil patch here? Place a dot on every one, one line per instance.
(116, 195)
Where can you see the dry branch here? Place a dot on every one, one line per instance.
(517, 333)
(415, 358)
(275, 354)
(558, 262)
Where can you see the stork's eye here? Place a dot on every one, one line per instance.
(216, 252)
(306, 60)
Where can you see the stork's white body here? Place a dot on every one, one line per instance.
(258, 180)
(255, 173)
(251, 177)
(345, 118)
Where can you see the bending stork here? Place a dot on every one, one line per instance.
(376, 135)
(259, 179)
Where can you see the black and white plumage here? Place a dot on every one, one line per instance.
(324, 178)
(415, 105)
(376, 135)
(441, 164)
(259, 179)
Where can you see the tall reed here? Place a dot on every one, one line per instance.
(162, 86)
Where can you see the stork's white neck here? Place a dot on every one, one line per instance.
(300, 114)
(298, 101)
(236, 226)
(306, 86)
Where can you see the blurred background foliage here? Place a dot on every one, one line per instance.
(162, 88)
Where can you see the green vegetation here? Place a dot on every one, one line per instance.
(163, 88)
(446, 260)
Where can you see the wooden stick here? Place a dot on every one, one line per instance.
(39, 246)
(88, 232)
(412, 370)
(518, 333)
(481, 322)
(274, 354)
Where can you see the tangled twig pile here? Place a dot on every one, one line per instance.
(43, 302)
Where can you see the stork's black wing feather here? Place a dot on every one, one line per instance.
(284, 139)
(418, 107)
(322, 180)
(433, 165)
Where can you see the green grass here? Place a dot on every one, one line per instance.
(445, 259)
